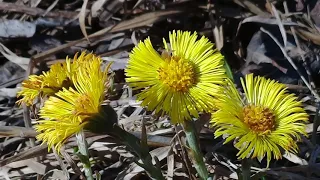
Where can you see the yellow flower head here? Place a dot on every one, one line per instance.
(267, 121)
(67, 112)
(59, 76)
(78, 61)
(56, 77)
(182, 81)
(46, 84)
(31, 89)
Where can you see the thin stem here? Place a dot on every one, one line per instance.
(194, 146)
(134, 145)
(245, 167)
(83, 149)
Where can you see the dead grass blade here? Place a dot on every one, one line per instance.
(314, 93)
(251, 7)
(295, 159)
(21, 61)
(35, 166)
(28, 154)
(281, 27)
(82, 19)
(306, 35)
(139, 21)
(170, 163)
(11, 7)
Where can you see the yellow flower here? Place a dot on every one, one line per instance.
(30, 89)
(72, 67)
(182, 81)
(67, 112)
(55, 79)
(267, 121)
(45, 85)
(55, 133)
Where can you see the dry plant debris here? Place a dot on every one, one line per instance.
(276, 39)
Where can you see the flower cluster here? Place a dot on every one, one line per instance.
(76, 91)
(189, 78)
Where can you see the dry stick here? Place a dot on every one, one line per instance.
(251, 7)
(12, 82)
(32, 5)
(139, 21)
(217, 30)
(61, 163)
(27, 122)
(30, 153)
(292, 64)
(51, 7)
(26, 111)
(305, 65)
(33, 11)
(229, 12)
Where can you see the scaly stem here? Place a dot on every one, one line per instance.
(194, 146)
(245, 167)
(83, 149)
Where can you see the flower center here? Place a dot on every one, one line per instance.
(177, 73)
(259, 119)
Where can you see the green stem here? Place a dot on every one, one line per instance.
(133, 144)
(194, 146)
(315, 126)
(106, 123)
(245, 167)
(83, 149)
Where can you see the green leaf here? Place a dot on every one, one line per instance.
(228, 70)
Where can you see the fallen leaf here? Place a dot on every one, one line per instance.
(16, 28)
